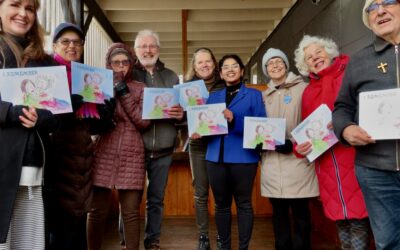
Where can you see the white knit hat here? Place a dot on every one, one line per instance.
(271, 53)
(365, 14)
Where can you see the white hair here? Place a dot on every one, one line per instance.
(299, 56)
(147, 32)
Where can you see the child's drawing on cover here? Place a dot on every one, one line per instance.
(38, 93)
(161, 106)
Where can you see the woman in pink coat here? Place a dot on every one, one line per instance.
(340, 193)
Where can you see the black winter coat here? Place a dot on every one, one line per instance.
(15, 140)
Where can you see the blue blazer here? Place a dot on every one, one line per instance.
(247, 102)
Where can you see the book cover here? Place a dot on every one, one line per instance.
(380, 113)
(268, 131)
(157, 102)
(41, 87)
(94, 84)
(192, 93)
(207, 119)
(314, 129)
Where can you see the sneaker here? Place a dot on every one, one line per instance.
(153, 246)
(204, 243)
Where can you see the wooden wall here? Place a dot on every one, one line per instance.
(179, 193)
(179, 199)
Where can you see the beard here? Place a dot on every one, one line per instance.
(148, 61)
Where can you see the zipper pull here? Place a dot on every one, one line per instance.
(396, 49)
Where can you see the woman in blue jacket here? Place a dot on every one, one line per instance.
(231, 168)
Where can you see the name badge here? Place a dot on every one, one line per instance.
(287, 99)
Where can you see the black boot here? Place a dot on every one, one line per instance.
(219, 243)
(204, 243)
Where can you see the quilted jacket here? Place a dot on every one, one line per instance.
(339, 190)
(119, 153)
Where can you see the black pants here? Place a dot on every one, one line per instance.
(298, 222)
(233, 181)
(68, 232)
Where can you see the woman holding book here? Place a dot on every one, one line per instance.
(203, 67)
(119, 155)
(68, 181)
(24, 132)
(340, 193)
(289, 182)
(231, 168)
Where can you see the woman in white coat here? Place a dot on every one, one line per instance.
(286, 180)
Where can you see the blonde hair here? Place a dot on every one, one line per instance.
(191, 73)
(328, 44)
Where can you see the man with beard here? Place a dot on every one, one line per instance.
(159, 139)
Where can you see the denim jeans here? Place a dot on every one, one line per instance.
(381, 191)
(157, 175)
(230, 180)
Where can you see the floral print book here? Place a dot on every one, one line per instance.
(192, 93)
(157, 102)
(268, 131)
(207, 119)
(92, 83)
(41, 87)
(315, 129)
(380, 113)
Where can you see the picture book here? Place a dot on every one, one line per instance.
(42, 87)
(207, 119)
(192, 93)
(268, 131)
(380, 114)
(94, 84)
(314, 129)
(157, 102)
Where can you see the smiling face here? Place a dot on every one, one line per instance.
(203, 65)
(17, 16)
(147, 51)
(71, 52)
(231, 71)
(385, 22)
(316, 58)
(276, 69)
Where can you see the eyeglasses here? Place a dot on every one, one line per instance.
(274, 63)
(375, 6)
(117, 63)
(150, 46)
(231, 67)
(66, 42)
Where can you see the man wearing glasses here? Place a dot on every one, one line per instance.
(375, 67)
(159, 138)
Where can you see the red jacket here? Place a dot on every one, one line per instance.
(119, 154)
(339, 190)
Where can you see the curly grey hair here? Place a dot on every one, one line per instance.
(299, 56)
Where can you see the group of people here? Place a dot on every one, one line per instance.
(57, 181)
